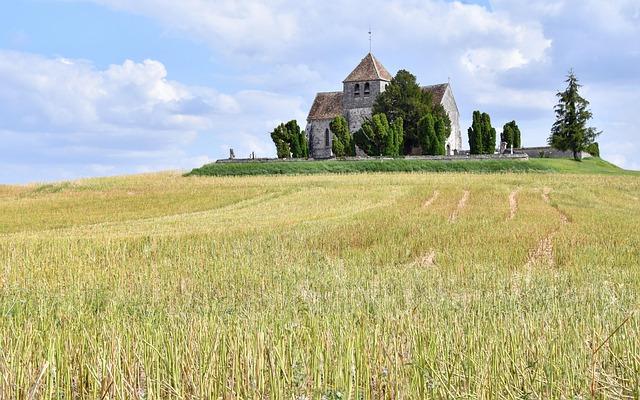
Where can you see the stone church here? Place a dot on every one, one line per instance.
(355, 103)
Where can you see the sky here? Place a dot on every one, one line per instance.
(109, 87)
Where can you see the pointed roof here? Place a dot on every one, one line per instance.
(437, 91)
(326, 106)
(369, 69)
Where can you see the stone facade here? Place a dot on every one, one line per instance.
(355, 102)
(454, 142)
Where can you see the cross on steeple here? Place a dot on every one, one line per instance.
(369, 38)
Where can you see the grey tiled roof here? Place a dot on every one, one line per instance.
(437, 91)
(326, 106)
(369, 69)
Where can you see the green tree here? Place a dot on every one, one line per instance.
(377, 137)
(475, 134)
(395, 145)
(443, 131)
(593, 149)
(281, 139)
(488, 135)
(342, 144)
(290, 140)
(517, 138)
(570, 131)
(427, 135)
(404, 98)
(507, 134)
(511, 135)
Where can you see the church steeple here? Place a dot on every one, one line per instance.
(369, 69)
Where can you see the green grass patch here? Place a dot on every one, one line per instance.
(588, 166)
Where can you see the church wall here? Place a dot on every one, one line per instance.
(449, 104)
(356, 116)
(316, 130)
(349, 101)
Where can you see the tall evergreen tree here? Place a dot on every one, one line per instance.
(343, 144)
(476, 134)
(517, 138)
(511, 135)
(570, 131)
(507, 134)
(443, 131)
(488, 135)
(427, 134)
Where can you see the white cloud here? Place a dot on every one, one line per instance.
(127, 117)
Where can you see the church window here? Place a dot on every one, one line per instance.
(367, 89)
(356, 90)
(327, 137)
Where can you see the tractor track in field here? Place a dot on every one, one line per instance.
(543, 252)
(513, 204)
(431, 199)
(461, 205)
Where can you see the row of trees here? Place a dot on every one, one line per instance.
(290, 141)
(482, 136)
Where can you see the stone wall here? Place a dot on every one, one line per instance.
(349, 101)
(356, 116)
(437, 158)
(449, 104)
(548, 152)
(316, 131)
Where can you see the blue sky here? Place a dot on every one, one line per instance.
(103, 87)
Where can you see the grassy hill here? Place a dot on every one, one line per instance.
(372, 286)
(587, 166)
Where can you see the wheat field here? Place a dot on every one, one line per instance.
(371, 286)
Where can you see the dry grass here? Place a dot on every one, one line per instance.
(158, 286)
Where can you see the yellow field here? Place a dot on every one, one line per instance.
(398, 286)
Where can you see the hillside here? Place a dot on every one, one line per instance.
(326, 286)
(587, 166)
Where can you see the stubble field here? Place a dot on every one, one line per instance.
(376, 286)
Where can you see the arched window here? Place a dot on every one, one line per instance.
(367, 89)
(356, 90)
(327, 138)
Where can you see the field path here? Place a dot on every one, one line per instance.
(513, 204)
(543, 253)
(430, 201)
(545, 195)
(461, 204)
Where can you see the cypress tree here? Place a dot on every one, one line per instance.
(488, 135)
(476, 134)
(344, 144)
(507, 134)
(427, 134)
(443, 130)
(517, 139)
(377, 137)
(511, 135)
